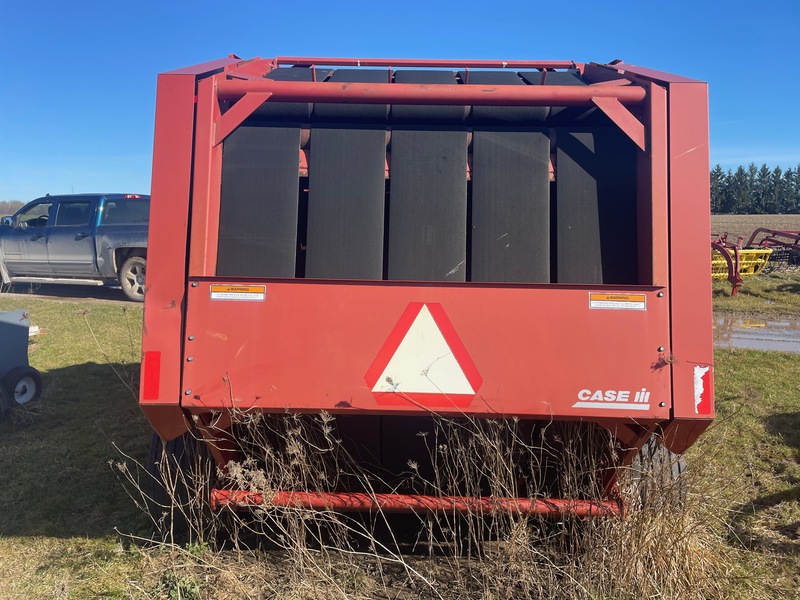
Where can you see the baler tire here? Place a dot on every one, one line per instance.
(5, 404)
(23, 385)
(178, 487)
(132, 278)
(659, 476)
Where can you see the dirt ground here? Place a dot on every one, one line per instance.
(744, 225)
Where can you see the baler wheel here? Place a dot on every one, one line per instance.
(659, 476)
(5, 404)
(178, 487)
(23, 385)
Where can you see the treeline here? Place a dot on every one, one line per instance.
(9, 207)
(750, 190)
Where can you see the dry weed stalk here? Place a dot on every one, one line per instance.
(663, 548)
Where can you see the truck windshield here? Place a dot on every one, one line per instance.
(36, 215)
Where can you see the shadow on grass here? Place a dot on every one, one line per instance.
(75, 292)
(791, 288)
(56, 456)
(787, 426)
(781, 538)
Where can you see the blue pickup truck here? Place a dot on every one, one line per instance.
(95, 239)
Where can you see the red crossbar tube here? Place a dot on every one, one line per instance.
(412, 62)
(412, 93)
(407, 503)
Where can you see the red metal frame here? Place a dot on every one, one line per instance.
(424, 63)
(772, 238)
(234, 89)
(232, 367)
(542, 351)
(162, 341)
(730, 252)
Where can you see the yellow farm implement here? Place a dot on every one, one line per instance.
(730, 261)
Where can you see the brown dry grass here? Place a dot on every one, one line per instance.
(293, 553)
(744, 225)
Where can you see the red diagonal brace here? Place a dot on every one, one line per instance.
(623, 118)
(237, 113)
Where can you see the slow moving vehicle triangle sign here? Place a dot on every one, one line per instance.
(424, 362)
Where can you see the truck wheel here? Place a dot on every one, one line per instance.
(23, 385)
(131, 278)
(178, 487)
(5, 404)
(659, 477)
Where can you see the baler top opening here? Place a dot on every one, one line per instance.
(392, 174)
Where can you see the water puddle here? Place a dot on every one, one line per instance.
(757, 334)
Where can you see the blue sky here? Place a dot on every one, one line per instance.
(79, 79)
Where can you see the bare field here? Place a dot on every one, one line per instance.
(744, 225)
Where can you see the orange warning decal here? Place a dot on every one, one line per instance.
(618, 301)
(253, 293)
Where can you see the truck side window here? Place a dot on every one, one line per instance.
(73, 213)
(35, 216)
(117, 212)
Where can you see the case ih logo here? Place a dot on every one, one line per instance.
(614, 399)
(424, 362)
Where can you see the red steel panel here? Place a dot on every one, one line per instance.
(690, 230)
(169, 421)
(169, 209)
(540, 350)
(167, 244)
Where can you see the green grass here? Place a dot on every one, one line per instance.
(63, 504)
(771, 294)
(750, 465)
(60, 496)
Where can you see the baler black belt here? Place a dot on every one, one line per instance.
(349, 112)
(408, 113)
(596, 207)
(560, 114)
(510, 206)
(259, 202)
(293, 111)
(501, 114)
(428, 205)
(346, 203)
